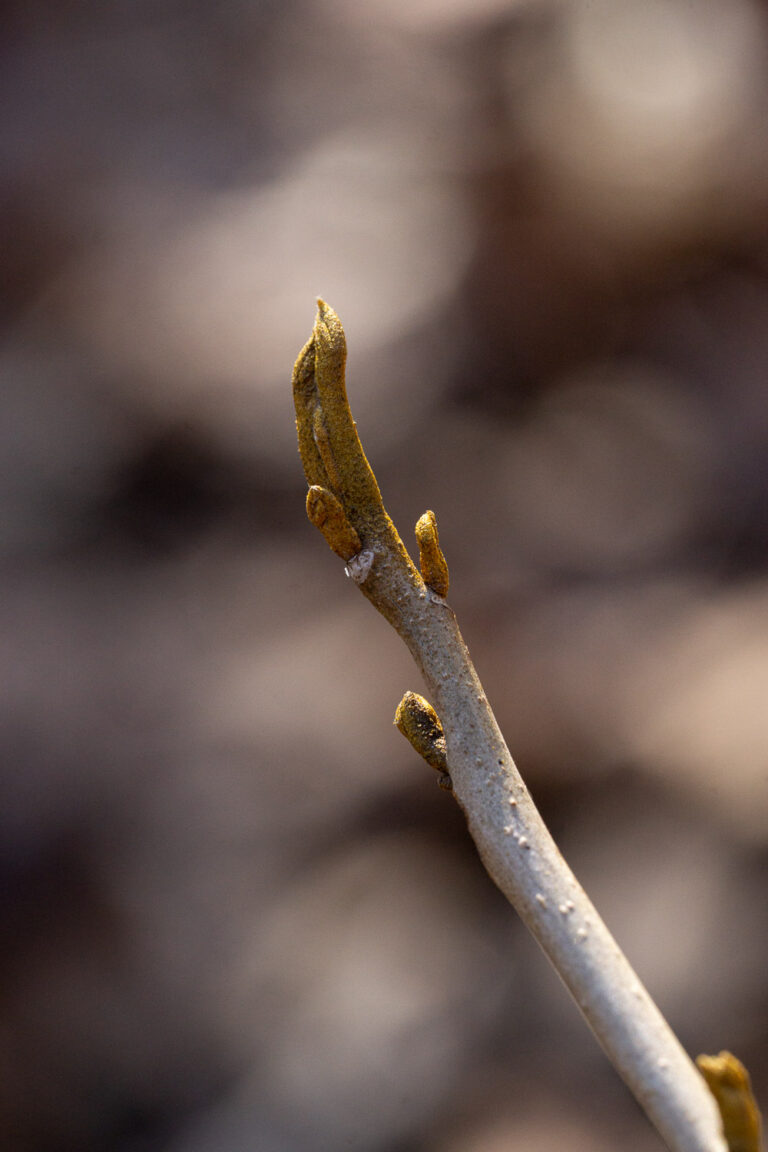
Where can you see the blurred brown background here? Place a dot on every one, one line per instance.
(237, 913)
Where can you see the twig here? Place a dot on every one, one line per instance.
(345, 504)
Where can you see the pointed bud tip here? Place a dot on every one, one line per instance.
(329, 332)
(324, 310)
(326, 314)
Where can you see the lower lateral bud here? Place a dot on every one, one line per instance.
(420, 724)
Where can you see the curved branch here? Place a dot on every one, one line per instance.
(511, 837)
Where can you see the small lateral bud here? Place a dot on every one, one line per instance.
(434, 568)
(728, 1081)
(420, 724)
(327, 514)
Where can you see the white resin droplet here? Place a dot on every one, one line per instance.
(359, 567)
